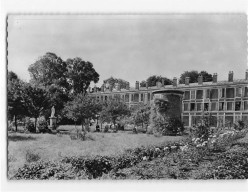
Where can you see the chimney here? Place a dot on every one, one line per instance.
(230, 76)
(118, 87)
(174, 82)
(246, 74)
(200, 80)
(146, 84)
(137, 85)
(127, 86)
(186, 80)
(102, 88)
(215, 76)
(162, 82)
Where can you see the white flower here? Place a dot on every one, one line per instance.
(157, 149)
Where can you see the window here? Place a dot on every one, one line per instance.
(246, 92)
(186, 107)
(223, 92)
(199, 94)
(229, 120)
(136, 97)
(187, 95)
(237, 106)
(229, 105)
(199, 106)
(193, 94)
(192, 106)
(238, 92)
(214, 94)
(221, 106)
(213, 106)
(127, 97)
(206, 106)
(186, 120)
(245, 105)
(148, 96)
(141, 97)
(207, 95)
(230, 92)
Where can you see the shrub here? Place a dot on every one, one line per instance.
(42, 125)
(29, 126)
(31, 156)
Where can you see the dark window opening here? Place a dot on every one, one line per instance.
(237, 106)
(246, 105)
(221, 106)
(187, 95)
(186, 106)
(207, 93)
(213, 106)
(223, 92)
(206, 106)
(246, 92)
(230, 92)
(199, 94)
(214, 94)
(238, 92)
(192, 106)
(199, 106)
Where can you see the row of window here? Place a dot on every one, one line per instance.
(216, 93)
(215, 106)
(134, 97)
(220, 120)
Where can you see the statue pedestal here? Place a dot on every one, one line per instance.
(53, 122)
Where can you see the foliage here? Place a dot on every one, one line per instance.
(42, 125)
(30, 126)
(80, 74)
(16, 108)
(32, 156)
(141, 116)
(193, 76)
(47, 70)
(82, 107)
(111, 82)
(36, 100)
(152, 80)
(113, 110)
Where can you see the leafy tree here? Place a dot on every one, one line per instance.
(113, 81)
(193, 76)
(81, 108)
(36, 101)
(47, 70)
(152, 80)
(80, 74)
(113, 110)
(141, 116)
(16, 108)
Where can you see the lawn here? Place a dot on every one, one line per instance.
(53, 147)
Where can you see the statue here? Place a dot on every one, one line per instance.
(53, 111)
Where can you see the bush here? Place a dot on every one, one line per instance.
(32, 156)
(43, 126)
(29, 126)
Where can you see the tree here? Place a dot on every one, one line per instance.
(80, 75)
(47, 70)
(152, 80)
(193, 76)
(82, 107)
(141, 116)
(16, 108)
(113, 81)
(36, 101)
(112, 110)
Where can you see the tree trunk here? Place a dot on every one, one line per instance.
(35, 124)
(15, 123)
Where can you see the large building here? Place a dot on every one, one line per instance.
(225, 101)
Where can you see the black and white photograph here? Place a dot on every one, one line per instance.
(127, 96)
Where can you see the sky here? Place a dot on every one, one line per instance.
(133, 47)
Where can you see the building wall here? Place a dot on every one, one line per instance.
(225, 101)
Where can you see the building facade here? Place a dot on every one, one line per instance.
(226, 101)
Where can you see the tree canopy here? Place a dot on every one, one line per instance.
(113, 109)
(193, 76)
(82, 107)
(152, 80)
(113, 81)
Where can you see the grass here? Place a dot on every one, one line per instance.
(53, 147)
